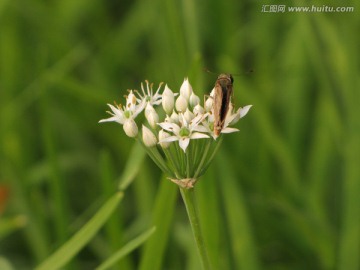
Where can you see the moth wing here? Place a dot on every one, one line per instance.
(218, 97)
(225, 102)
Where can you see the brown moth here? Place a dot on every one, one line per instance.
(222, 94)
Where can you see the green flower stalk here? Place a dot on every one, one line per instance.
(182, 143)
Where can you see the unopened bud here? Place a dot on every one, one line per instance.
(148, 137)
(194, 100)
(186, 89)
(130, 128)
(151, 116)
(168, 100)
(181, 104)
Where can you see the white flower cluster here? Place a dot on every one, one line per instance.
(185, 118)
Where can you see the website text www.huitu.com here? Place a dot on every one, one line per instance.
(306, 9)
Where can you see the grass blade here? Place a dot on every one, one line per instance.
(133, 244)
(162, 217)
(243, 245)
(67, 251)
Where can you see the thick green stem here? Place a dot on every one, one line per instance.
(189, 200)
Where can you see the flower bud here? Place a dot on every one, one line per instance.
(198, 109)
(151, 116)
(186, 89)
(174, 117)
(209, 104)
(188, 115)
(153, 119)
(181, 104)
(163, 135)
(130, 128)
(148, 137)
(194, 100)
(168, 100)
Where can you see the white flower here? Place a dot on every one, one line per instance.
(126, 115)
(186, 118)
(120, 114)
(162, 136)
(148, 137)
(151, 116)
(148, 96)
(131, 101)
(168, 100)
(186, 89)
(181, 104)
(130, 128)
(187, 131)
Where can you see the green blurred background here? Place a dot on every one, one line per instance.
(281, 194)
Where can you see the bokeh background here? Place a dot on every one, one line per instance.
(284, 193)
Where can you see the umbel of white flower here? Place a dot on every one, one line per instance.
(178, 135)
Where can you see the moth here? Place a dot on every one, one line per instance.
(222, 95)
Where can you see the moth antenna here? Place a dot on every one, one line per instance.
(250, 71)
(209, 71)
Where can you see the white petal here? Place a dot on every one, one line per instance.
(232, 119)
(198, 135)
(199, 118)
(169, 139)
(244, 110)
(114, 109)
(111, 119)
(229, 130)
(139, 108)
(212, 93)
(182, 120)
(162, 136)
(170, 127)
(183, 143)
(200, 128)
(167, 125)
